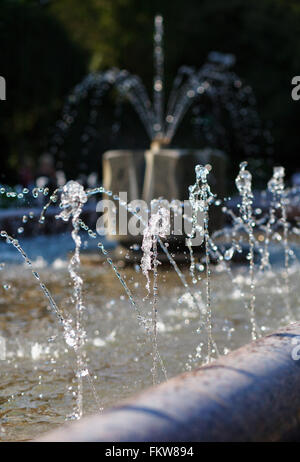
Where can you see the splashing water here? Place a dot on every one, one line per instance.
(244, 185)
(158, 227)
(248, 232)
(277, 188)
(200, 197)
(65, 322)
(73, 198)
(158, 84)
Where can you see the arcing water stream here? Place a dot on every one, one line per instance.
(214, 93)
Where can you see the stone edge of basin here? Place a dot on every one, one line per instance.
(252, 394)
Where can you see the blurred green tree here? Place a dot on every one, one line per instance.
(40, 64)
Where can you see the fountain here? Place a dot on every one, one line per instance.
(80, 333)
(213, 90)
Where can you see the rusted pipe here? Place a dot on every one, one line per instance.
(252, 394)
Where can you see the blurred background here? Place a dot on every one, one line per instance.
(48, 46)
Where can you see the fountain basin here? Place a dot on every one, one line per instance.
(37, 377)
(249, 395)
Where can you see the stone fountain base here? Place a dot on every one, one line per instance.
(160, 173)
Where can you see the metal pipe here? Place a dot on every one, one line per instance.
(252, 394)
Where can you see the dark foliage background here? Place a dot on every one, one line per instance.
(49, 46)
